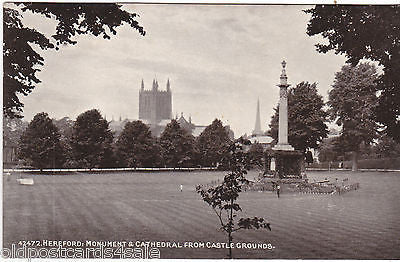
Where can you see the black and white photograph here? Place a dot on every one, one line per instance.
(212, 131)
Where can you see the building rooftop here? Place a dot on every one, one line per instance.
(261, 139)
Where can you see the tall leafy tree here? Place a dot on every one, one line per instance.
(91, 141)
(213, 143)
(306, 117)
(365, 32)
(21, 61)
(40, 143)
(136, 147)
(352, 102)
(177, 146)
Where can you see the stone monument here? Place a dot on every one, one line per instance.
(283, 143)
(284, 160)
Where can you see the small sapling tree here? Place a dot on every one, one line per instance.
(223, 198)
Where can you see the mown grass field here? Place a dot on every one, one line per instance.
(362, 224)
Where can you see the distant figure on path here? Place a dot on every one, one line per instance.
(181, 187)
(278, 189)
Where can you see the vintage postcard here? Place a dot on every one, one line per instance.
(200, 131)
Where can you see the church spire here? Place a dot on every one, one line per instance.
(142, 86)
(257, 129)
(168, 86)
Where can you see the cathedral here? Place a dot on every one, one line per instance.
(155, 110)
(155, 105)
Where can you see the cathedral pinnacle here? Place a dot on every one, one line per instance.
(155, 84)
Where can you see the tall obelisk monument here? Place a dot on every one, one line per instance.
(283, 143)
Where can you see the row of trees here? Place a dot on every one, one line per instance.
(355, 31)
(88, 142)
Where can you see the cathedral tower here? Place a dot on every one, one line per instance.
(154, 104)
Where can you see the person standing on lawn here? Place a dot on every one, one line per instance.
(278, 189)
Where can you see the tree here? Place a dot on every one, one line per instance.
(212, 143)
(223, 198)
(365, 32)
(22, 62)
(330, 150)
(136, 147)
(177, 146)
(40, 143)
(13, 128)
(386, 147)
(91, 141)
(306, 117)
(65, 127)
(257, 155)
(352, 102)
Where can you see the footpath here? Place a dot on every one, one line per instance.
(348, 169)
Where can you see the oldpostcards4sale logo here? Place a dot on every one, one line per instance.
(144, 252)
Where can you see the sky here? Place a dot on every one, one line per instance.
(219, 59)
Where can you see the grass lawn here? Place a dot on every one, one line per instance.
(362, 224)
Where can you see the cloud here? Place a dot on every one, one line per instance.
(219, 59)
